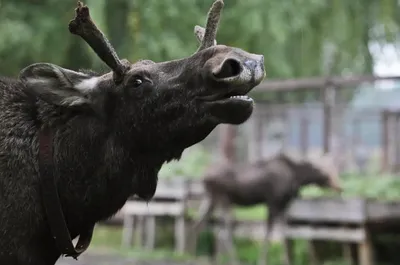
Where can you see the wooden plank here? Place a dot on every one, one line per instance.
(316, 82)
(170, 192)
(257, 231)
(326, 233)
(377, 211)
(328, 210)
(178, 189)
(153, 209)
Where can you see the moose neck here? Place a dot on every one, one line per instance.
(307, 175)
(86, 151)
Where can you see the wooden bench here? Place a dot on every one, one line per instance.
(332, 220)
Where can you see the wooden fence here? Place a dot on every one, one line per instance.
(286, 118)
(348, 221)
(391, 140)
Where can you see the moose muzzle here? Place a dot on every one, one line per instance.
(240, 68)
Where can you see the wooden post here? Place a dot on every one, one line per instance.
(396, 141)
(227, 141)
(304, 126)
(180, 224)
(365, 251)
(139, 231)
(286, 128)
(127, 231)
(255, 139)
(328, 93)
(355, 135)
(385, 141)
(150, 232)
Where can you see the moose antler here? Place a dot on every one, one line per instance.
(207, 36)
(83, 26)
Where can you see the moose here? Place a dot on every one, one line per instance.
(75, 145)
(274, 182)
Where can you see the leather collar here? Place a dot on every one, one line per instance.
(52, 205)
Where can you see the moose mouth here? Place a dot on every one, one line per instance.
(239, 96)
(237, 103)
(233, 108)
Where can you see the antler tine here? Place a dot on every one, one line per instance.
(210, 32)
(83, 26)
(199, 32)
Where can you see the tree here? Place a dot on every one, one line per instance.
(299, 38)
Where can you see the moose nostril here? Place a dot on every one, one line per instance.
(229, 68)
(251, 64)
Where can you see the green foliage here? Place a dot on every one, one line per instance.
(382, 187)
(192, 164)
(298, 38)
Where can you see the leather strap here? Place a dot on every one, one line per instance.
(52, 205)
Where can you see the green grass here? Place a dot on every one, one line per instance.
(107, 241)
(107, 236)
(251, 213)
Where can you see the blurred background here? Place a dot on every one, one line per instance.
(332, 87)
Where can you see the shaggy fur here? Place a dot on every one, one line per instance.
(109, 140)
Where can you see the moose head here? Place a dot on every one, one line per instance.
(109, 133)
(153, 111)
(167, 105)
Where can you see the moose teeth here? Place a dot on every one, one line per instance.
(241, 97)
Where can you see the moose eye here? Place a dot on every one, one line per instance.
(137, 82)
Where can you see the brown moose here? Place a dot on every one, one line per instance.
(275, 182)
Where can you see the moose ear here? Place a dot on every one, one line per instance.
(57, 85)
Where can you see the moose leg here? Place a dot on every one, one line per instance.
(228, 234)
(206, 208)
(269, 224)
(287, 245)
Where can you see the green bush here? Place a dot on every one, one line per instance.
(192, 164)
(382, 187)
